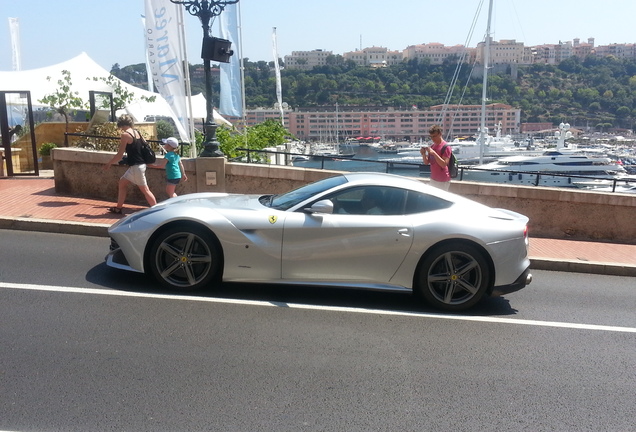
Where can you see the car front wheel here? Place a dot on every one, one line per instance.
(453, 277)
(184, 258)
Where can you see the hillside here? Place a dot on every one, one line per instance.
(598, 92)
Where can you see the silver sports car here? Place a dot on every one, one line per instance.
(357, 230)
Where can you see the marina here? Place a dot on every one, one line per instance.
(591, 167)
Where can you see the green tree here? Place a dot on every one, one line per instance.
(121, 96)
(270, 133)
(64, 100)
(164, 129)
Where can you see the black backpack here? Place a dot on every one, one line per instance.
(147, 153)
(452, 163)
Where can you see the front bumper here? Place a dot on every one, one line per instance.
(116, 258)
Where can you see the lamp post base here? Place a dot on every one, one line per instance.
(211, 145)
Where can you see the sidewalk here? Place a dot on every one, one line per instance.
(30, 203)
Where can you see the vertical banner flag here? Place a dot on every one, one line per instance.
(279, 88)
(231, 95)
(151, 86)
(164, 55)
(14, 29)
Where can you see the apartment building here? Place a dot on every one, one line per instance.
(259, 115)
(582, 50)
(374, 57)
(306, 60)
(325, 123)
(436, 53)
(503, 52)
(617, 50)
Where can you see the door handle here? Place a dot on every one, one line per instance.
(404, 232)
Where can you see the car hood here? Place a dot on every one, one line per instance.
(220, 203)
(216, 200)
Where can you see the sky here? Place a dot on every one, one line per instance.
(110, 31)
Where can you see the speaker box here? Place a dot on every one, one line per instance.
(216, 49)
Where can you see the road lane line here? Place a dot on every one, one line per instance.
(485, 319)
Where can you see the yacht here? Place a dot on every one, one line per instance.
(468, 151)
(553, 168)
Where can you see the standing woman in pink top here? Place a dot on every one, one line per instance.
(437, 156)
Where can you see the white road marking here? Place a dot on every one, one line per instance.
(486, 319)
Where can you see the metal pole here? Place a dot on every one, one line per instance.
(484, 89)
(205, 10)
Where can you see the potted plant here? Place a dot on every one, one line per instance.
(45, 152)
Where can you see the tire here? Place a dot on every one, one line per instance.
(453, 277)
(185, 258)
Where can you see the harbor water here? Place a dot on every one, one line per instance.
(368, 159)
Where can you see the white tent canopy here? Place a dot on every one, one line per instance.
(83, 69)
(199, 110)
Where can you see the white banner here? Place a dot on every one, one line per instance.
(14, 29)
(231, 86)
(165, 59)
(151, 86)
(279, 90)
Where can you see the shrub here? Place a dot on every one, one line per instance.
(45, 148)
(164, 129)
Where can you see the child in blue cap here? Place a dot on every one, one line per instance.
(174, 168)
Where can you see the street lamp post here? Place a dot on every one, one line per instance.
(562, 134)
(212, 49)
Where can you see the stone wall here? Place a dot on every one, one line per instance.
(54, 132)
(554, 212)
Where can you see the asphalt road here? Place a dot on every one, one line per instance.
(88, 348)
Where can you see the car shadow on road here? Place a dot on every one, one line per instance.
(283, 295)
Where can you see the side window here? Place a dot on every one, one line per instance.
(394, 201)
(370, 200)
(418, 202)
(347, 202)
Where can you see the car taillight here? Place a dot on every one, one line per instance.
(525, 235)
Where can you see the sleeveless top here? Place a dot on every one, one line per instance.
(133, 151)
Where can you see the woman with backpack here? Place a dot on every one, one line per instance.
(131, 143)
(438, 157)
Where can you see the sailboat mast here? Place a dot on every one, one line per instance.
(337, 126)
(484, 89)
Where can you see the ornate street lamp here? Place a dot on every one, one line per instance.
(212, 49)
(562, 134)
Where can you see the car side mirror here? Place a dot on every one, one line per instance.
(323, 206)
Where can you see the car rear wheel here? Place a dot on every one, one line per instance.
(453, 277)
(184, 258)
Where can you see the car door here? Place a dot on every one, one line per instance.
(344, 247)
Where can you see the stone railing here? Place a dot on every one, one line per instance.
(559, 213)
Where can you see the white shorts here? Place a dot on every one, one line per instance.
(136, 174)
(440, 185)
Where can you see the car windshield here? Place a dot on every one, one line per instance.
(292, 198)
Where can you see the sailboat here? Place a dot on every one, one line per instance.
(335, 149)
(469, 152)
(485, 147)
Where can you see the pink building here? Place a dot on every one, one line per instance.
(324, 124)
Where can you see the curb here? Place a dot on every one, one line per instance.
(54, 226)
(589, 267)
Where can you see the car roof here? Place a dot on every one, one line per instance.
(380, 178)
(393, 180)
